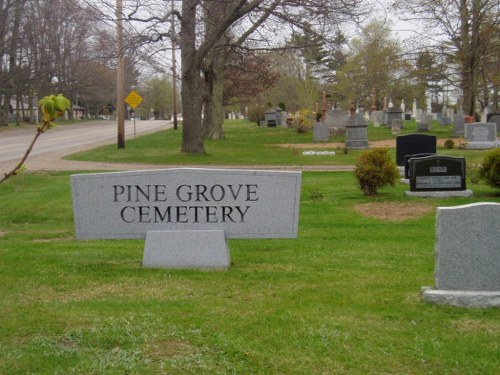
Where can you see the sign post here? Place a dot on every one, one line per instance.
(133, 100)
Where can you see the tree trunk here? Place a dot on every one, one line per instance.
(192, 102)
(469, 89)
(214, 113)
(214, 105)
(469, 51)
(192, 92)
(193, 55)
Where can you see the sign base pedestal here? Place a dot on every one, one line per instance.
(205, 249)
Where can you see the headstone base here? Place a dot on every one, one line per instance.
(481, 145)
(186, 249)
(460, 298)
(357, 145)
(440, 194)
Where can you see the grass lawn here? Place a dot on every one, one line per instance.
(247, 144)
(342, 298)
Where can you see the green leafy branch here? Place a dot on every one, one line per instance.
(52, 107)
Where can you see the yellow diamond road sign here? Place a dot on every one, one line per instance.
(133, 99)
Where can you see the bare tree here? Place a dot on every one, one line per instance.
(243, 19)
(205, 28)
(10, 20)
(463, 30)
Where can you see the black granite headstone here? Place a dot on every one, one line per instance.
(392, 114)
(494, 117)
(412, 144)
(407, 162)
(437, 173)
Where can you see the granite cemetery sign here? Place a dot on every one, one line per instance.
(437, 173)
(467, 256)
(201, 203)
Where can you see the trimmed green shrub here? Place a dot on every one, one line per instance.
(449, 144)
(256, 113)
(490, 169)
(375, 170)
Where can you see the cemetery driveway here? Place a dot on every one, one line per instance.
(53, 161)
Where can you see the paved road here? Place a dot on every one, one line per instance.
(52, 146)
(70, 138)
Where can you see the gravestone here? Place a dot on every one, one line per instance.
(396, 126)
(392, 114)
(440, 118)
(377, 118)
(336, 120)
(467, 256)
(284, 119)
(419, 115)
(357, 133)
(407, 162)
(481, 135)
(270, 118)
(412, 144)
(279, 116)
(459, 121)
(437, 173)
(414, 111)
(329, 118)
(198, 202)
(494, 118)
(320, 132)
(425, 123)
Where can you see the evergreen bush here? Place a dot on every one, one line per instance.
(490, 169)
(375, 170)
(449, 144)
(256, 113)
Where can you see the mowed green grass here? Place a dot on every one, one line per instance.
(342, 298)
(247, 144)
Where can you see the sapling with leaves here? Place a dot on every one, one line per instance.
(52, 107)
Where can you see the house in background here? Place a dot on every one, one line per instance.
(20, 109)
(78, 112)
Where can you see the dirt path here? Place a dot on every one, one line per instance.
(389, 143)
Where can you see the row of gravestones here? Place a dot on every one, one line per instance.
(478, 135)
(355, 128)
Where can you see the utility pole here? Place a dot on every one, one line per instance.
(174, 70)
(120, 75)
